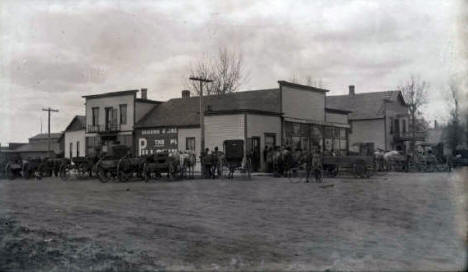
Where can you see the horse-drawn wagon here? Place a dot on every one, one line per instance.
(234, 158)
(161, 162)
(106, 167)
(81, 167)
(361, 166)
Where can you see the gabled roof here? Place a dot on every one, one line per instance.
(364, 105)
(77, 123)
(182, 112)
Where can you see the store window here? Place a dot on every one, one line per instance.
(70, 151)
(77, 149)
(190, 143)
(270, 140)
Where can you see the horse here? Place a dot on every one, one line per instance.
(187, 162)
(392, 158)
(379, 160)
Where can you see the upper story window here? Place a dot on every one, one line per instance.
(123, 114)
(404, 125)
(95, 116)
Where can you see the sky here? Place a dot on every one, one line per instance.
(54, 52)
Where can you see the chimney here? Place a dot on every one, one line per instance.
(144, 93)
(351, 90)
(185, 94)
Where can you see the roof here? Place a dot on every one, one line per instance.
(44, 136)
(148, 101)
(38, 147)
(77, 123)
(363, 105)
(180, 112)
(132, 92)
(300, 86)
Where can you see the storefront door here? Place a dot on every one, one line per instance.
(253, 147)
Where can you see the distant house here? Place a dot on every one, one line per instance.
(38, 146)
(378, 117)
(110, 118)
(75, 139)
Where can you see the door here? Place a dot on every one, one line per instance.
(253, 147)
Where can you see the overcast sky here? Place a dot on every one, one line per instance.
(52, 53)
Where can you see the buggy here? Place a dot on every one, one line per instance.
(234, 158)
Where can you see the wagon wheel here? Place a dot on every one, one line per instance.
(64, 172)
(103, 175)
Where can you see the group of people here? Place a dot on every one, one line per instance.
(211, 163)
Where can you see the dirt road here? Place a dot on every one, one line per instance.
(390, 222)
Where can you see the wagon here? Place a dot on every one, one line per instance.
(81, 167)
(234, 158)
(157, 164)
(128, 167)
(13, 169)
(106, 167)
(358, 165)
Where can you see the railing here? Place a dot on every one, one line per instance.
(408, 135)
(110, 127)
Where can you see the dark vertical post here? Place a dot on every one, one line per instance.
(48, 130)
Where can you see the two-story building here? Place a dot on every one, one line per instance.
(292, 115)
(110, 118)
(378, 117)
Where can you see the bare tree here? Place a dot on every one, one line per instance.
(415, 93)
(225, 70)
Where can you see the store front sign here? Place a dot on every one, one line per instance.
(156, 140)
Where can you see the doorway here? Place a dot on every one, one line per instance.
(253, 147)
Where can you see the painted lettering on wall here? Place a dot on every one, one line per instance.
(156, 140)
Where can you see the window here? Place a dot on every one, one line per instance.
(270, 140)
(123, 113)
(190, 143)
(71, 150)
(404, 126)
(77, 149)
(391, 125)
(95, 116)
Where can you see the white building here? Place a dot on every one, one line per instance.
(110, 118)
(75, 138)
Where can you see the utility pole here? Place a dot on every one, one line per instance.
(48, 133)
(202, 111)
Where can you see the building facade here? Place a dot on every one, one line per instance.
(376, 117)
(75, 137)
(110, 119)
(292, 115)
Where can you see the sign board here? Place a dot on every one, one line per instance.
(155, 140)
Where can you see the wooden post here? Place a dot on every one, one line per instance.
(48, 129)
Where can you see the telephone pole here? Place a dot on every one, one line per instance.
(202, 111)
(48, 133)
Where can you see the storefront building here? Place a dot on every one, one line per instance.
(110, 119)
(292, 115)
